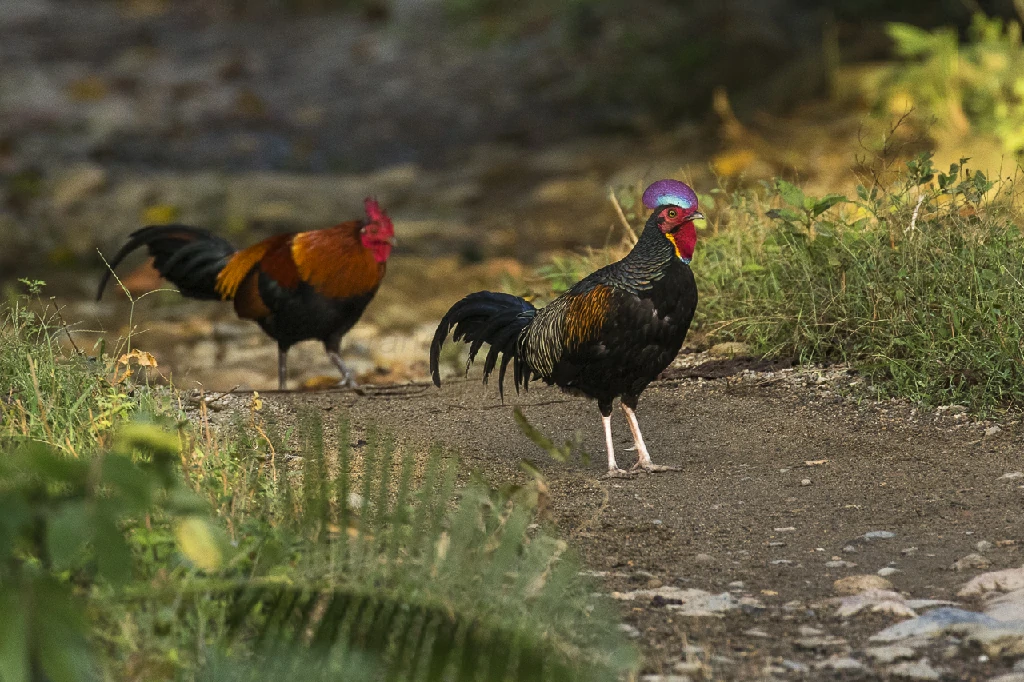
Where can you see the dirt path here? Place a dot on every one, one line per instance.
(747, 515)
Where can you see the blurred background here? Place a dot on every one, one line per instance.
(492, 132)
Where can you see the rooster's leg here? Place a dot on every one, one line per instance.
(643, 460)
(348, 378)
(282, 369)
(613, 469)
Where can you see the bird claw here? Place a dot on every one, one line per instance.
(619, 473)
(652, 468)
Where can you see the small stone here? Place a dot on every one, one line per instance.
(795, 666)
(808, 631)
(914, 670)
(754, 632)
(689, 668)
(854, 584)
(776, 543)
(993, 430)
(629, 630)
(704, 559)
(657, 522)
(890, 654)
(781, 562)
(821, 644)
(908, 551)
(983, 546)
(971, 561)
(850, 549)
(1012, 475)
(841, 663)
(805, 481)
(1006, 580)
(887, 571)
(736, 585)
(840, 564)
(785, 529)
(654, 584)
(999, 642)
(931, 624)
(879, 535)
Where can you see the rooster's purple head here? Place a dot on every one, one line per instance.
(675, 208)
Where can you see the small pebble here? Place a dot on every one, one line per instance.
(887, 571)
(782, 562)
(993, 430)
(971, 561)
(754, 632)
(840, 564)
(914, 670)
(704, 559)
(786, 529)
(907, 551)
(795, 666)
(879, 535)
(630, 630)
(890, 654)
(850, 549)
(983, 546)
(841, 663)
(805, 481)
(855, 584)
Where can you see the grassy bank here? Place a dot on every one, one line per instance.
(141, 542)
(917, 280)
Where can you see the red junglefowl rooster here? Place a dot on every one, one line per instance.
(309, 285)
(608, 336)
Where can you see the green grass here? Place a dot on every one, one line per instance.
(917, 281)
(916, 284)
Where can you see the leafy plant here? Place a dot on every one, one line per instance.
(61, 531)
(418, 579)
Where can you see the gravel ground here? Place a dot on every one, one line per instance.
(810, 533)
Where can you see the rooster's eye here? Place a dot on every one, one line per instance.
(672, 213)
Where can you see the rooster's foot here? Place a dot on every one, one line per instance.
(653, 468)
(619, 473)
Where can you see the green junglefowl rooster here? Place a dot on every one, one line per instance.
(309, 285)
(608, 336)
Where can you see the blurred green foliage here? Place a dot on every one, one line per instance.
(976, 87)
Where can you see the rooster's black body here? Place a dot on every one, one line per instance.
(608, 337)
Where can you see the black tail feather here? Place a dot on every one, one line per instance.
(486, 317)
(188, 257)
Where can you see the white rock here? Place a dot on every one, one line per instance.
(854, 584)
(993, 430)
(916, 670)
(629, 630)
(879, 535)
(887, 571)
(1012, 475)
(1006, 580)
(971, 561)
(840, 663)
(890, 654)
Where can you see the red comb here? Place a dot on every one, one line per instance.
(373, 210)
